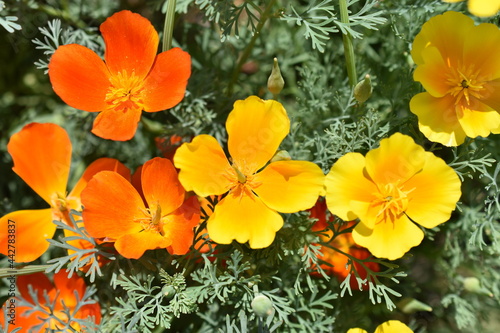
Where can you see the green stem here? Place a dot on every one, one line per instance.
(168, 28)
(348, 47)
(246, 53)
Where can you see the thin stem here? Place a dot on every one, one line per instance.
(246, 53)
(168, 28)
(348, 47)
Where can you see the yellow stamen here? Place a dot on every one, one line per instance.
(125, 92)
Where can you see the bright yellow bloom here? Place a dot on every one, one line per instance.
(391, 190)
(256, 190)
(483, 8)
(391, 326)
(458, 65)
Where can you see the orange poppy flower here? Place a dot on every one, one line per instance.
(42, 157)
(61, 295)
(131, 79)
(113, 208)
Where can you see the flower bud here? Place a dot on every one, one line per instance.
(281, 155)
(262, 306)
(411, 305)
(275, 83)
(168, 291)
(363, 90)
(473, 285)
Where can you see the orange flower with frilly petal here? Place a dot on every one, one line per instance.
(131, 79)
(256, 190)
(61, 295)
(113, 208)
(42, 157)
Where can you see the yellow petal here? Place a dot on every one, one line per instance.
(357, 330)
(389, 240)
(433, 72)
(255, 130)
(393, 326)
(481, 46)
(32, 229)
(397, 159)
(491, 94)
(484, 8)
(437, 119)
(434, 192)
(445, 32)
(244, 219)
(203, 166)
(479, 123)
(42, 157)
(346, 182)
(290, 186)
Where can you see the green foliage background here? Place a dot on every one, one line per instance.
(232, 44)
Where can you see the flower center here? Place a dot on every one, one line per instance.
(152, 221)
(391, 202)
(465, 84)
(61, 207)
(125, 92)
(241, 183)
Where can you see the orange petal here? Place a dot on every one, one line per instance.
(32, 229)
(42, 158)
(203, 166)
(434, 193)
(437, 119)
(98, 165)
(179, 227)
(433, 73)
(289, 186)
(160, 185)
(347, 182)
(244, 219)
(116, 124)
(134, 245)
(111, 206)
(389, 240)
(39, 282)
(131, 43)
(137, 181)
(397, 159)
(165, 85)
(79, 77)
(255, 130)
(66, 287)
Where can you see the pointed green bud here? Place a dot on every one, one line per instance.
(262, 306)
(473, 285)
(363, 90)
(281, 155)
(168, 291)
(411, 305)
(275, 83)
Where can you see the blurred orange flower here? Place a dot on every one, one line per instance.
(256, 190)
(61, 295)
(131, 79)
(42, 157)
(113, 208)
(457, 65)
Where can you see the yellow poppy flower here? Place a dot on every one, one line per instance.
(391, 326)
(458, 66)
(256, 190)
(391, 190)
(483, 8)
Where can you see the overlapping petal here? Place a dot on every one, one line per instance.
(432, 72)
(244, 219)
(165, 85)
(289, 186)
(80, 77)
(133, 245)
(396, 160)
(131, 43)
(33, 228)
(434, 193)
(348, 182)
(46, 167)
(117, 125)
(180, 226)
(255, 130)
(111, 206)
(204, 167)
(160, 185)
(479, 123)
(389, 240)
